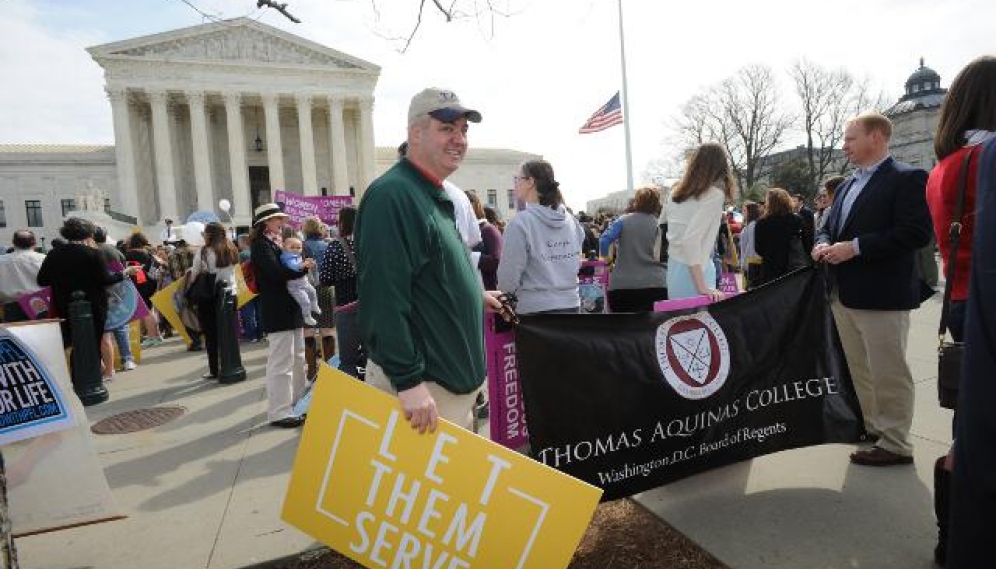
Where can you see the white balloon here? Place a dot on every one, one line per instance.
(225, 205)
(191, 233)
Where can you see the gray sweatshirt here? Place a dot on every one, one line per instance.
(541, 256)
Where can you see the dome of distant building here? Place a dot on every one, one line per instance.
(923, 91)
(915, 117)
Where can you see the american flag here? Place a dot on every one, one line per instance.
(609, 115)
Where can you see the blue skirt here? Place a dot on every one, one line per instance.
(679, 279)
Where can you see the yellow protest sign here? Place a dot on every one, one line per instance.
(244, 294)
(163, 301)
(371, 488)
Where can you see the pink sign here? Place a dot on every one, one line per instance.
(36, 304)
(507, 412)
(299, 207)
(728, 284)
(593, 281)
(686, 303)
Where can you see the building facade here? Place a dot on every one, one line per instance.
(228, 110)
(234, 109)
(915, 117)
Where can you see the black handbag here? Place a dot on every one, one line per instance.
(949, 353)
(201, 291)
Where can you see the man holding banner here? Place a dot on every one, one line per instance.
(422, 322)
(879, 220)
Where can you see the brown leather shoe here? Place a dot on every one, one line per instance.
(878, 456)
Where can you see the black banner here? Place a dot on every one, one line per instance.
(629, 402)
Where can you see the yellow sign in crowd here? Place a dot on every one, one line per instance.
(163, 301)
(373, 489)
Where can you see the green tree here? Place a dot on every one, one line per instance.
(793, 176)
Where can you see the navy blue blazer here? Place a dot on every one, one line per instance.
(891, 221)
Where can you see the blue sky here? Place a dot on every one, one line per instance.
(536, 76)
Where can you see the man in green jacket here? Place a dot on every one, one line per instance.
(421, 320)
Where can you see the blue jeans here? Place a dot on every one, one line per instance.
(252, 320)
(122, 338)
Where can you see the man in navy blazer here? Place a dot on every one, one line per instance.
(878, 221)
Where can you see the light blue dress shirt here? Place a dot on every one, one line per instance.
(861, 178)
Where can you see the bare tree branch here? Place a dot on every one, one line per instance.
(445, 12)
(282, 8)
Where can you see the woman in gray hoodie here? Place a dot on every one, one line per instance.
(541, 247)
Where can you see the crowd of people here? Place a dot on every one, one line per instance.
(403, 281)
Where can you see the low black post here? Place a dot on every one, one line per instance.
(87, 380)
(230, 368)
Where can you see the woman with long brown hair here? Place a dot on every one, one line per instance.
(219, 257)
(692, 212)
(778, 237)
(967, 124)
(490, 245)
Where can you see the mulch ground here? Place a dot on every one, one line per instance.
(622, 535)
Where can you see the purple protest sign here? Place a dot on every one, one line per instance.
(507, 413)
(36, 304)
(299, 207)
(728, 284)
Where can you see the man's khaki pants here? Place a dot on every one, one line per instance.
(875, 347)
(455, 408)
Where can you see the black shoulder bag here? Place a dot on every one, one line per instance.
(949, 353)
(201, 291)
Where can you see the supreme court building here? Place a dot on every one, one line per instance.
(232, 109)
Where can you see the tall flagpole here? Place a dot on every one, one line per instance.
(625, 101)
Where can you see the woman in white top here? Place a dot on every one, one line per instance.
(692, 213)
(219, 257)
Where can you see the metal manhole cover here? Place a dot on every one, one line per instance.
(137, 420)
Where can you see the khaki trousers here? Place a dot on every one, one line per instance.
(455, 408)
(284, 372)
(875, 348)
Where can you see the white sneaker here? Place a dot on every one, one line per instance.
(129, 365)
(107, 378)
(310, 321)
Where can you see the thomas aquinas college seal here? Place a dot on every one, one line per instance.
(694, 355)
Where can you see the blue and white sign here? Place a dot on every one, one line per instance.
(31, 400)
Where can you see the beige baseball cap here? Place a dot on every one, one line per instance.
(440, 104)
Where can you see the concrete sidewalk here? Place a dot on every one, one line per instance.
(205, 491)
(811, 508)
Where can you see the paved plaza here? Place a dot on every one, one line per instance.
(205, 491)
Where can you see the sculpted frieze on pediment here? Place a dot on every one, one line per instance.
(238, 44)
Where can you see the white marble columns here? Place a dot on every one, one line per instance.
(174, 165)
(202, 151)
(124, 153)
(309, 173)
(337, 144)
(241, 200)
(165, 181)
(367, 165)
(274, 148)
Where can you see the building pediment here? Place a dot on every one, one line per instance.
(232, 41)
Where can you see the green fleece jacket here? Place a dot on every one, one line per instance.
(421, 309)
